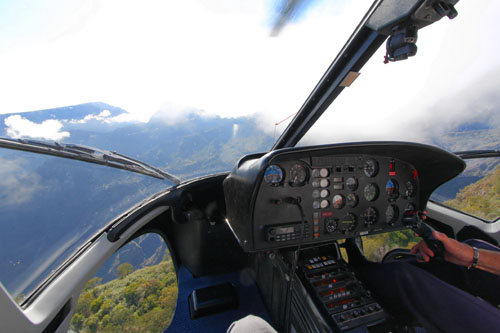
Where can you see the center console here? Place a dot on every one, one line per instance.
(323, 292)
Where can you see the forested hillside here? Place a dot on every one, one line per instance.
(376, 246)
(481, 198)
(140, 301)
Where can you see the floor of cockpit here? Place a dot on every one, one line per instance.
(249, 301)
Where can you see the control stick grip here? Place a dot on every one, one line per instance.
(425, 231)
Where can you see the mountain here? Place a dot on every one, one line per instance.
(66, 114)
(192, 146)
(146, 250)
(481, 198)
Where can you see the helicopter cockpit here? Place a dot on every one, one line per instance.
(270, 237)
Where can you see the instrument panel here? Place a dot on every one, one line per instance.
(340, 196)
(317, 194)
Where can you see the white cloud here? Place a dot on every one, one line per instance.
(218, 57)
(20, 127)
(453, 79)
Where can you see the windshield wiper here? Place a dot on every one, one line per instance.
(468, 154)
(87, 154)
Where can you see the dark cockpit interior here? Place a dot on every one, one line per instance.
(282, 217)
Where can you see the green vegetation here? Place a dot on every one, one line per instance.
(376, 246)
(124, 269)
(480, 199)
(140, 301)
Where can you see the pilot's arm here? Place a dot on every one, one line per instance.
(461, 254)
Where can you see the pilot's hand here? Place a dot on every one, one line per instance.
(455, 252)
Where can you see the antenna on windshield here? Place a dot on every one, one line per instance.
(281, 121)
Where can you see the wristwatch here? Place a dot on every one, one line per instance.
(475, 259)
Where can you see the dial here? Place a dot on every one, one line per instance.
(391, 214)
(370, 168)
(330, 225)
(298, 175)
(410, 189)
(371, 192)
(324, 204)
(338, 201)
(324, 183)
(273, 175)
(324, 193)
(315, 183)
(315, 204)
(410, 211)
(315, 194)
(352, 200)
(324, 172)
(348, 223)
(392, 188)
(351, 183)
(370, 216)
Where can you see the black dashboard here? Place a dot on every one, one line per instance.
(334, 191)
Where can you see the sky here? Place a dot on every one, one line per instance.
(157, 56)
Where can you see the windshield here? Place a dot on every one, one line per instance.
(186, 86)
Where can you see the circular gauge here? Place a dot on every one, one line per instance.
(348, 223)
(352, 200)
(324, 193)
(370, 216)
(371, 192)
(351, 183)
(410, 209)
(273, 175)
(410, 189)
(330, 225)
(315, 173)
(315, 204)
(324, 204)
(315, 194)
(338, 201)
(370, 168)
(298, 175)
(324, 183)
(392, 188)
(315, 183)
(391, 214)
(324, 172)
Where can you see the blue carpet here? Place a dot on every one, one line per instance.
(248, 298)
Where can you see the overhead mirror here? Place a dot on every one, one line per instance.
(135, 290)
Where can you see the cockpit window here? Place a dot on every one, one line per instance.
(51, 206)
(446, 95)
(476, 191)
